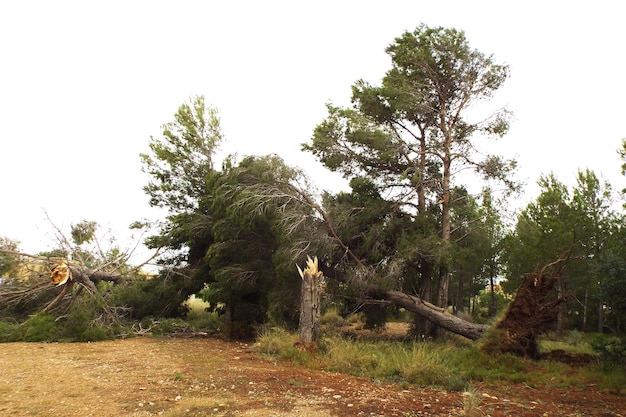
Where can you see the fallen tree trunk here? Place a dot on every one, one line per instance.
(434, 314)
(66, 275)
(531, 313)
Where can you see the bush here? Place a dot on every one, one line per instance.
(40, 327)
(156, 297)
(331, 317)
(9, 332)
(612, 350)
(277, 342)
(85, 323)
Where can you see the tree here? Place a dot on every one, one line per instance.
(249, 252)
(412, 135)
(561, 221)
(183, 157)
(611, 266)
(9, 257)
(73, 284)
(179, 166)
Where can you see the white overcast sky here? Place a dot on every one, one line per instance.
(84, 84)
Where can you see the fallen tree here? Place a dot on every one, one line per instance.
(531, 313)
(67, 275)
(434, 314)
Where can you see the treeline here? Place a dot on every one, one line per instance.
(410, 222)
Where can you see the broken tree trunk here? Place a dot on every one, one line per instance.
(432, 313)
(66, 275)
(310, 303)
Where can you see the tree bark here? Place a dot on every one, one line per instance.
(422, 326)
(434, 314)
(310, 303)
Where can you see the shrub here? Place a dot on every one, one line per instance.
(39, 327)
(156, 297)
(612, 350)
(277, 342)
(331, 317)
(9, 332)
(84, 323)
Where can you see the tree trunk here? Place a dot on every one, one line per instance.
(460, 294)
(434, 314)
(561, 310)
(532, 312)
(600, 316)
(310, 303)
(585, 306)
(492, 287)
(442, 298)
(422, 326)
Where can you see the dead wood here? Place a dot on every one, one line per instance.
(310, 303)
(434, 314)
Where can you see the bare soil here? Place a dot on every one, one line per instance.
(211, 377)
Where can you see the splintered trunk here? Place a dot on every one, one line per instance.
(310, 303)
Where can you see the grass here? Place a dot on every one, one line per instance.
(198, 316)
(573, 342)
(452, 364)
(471, 402)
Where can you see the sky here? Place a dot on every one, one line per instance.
(85, 84)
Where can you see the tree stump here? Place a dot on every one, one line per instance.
(310, 304)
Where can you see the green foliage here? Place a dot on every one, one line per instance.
(331, 317)
(8, 260)
(183, 157)
(39, 328)
(480, 366)
(160, 296)
(228, 232)
(277, 342)
(482, 311)
(274, 340)
(612, 350)
(85, 322)
(84, 231)
(581, 224)
(375, 317)
(408, 217)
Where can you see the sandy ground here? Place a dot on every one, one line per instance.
(212, 377)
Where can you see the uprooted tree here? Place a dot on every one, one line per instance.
(531, 313)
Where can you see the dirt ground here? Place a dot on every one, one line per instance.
(211, 377)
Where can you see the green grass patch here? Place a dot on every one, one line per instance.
(451, 364)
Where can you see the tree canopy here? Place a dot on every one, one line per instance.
(412, 136)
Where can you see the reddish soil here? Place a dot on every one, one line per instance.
(212, 377)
